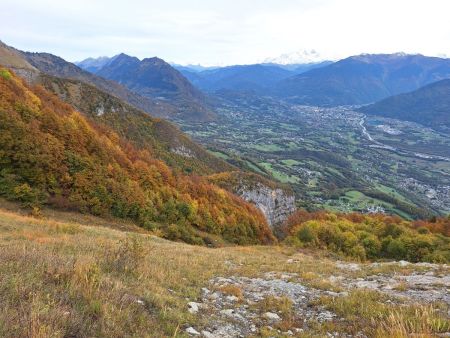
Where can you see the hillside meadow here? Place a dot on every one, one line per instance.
(70, 275)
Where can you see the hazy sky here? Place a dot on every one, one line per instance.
(226, 31)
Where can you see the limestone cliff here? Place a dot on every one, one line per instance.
(275, 202)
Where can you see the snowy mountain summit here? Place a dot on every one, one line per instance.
(298, 57)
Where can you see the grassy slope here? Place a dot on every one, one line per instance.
(60, 277)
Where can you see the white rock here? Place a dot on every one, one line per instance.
(325, 316)
(227, 312)
(348, 266)
(192, 331)
(272, 316)
(194, 307)
(207, 334)
(214, 295)
(232, 298)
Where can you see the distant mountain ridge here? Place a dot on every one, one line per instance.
(259, 78)
(248, 77)
(93, 65)
(155, 79)
(429, 105)
(29, 65)
(362, 79)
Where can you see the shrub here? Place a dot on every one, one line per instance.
(28, 196)
(306, 234)
(128, 256)
(5, 74)
(370, 236)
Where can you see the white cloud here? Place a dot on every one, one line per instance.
(227, 31)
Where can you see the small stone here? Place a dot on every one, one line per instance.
(193, 332)
(325, 316)
(227, 312)
(214, 295)
(232, 298)
(194, 307)
(403, 263)
(272, 316)
(207, 334)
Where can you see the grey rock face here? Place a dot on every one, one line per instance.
(276, 204)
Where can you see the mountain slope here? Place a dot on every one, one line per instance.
(12, 58)
(429, 105)
(155, 78)
(363, 79)
(52, 154)
(56, 66)
(169, 144)
(166, 141)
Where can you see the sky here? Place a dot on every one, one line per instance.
(213, 32)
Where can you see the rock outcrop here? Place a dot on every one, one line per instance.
(275, 203)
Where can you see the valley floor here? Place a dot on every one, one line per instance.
(334, 158)
(69, 275)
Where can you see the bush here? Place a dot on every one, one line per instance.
(306, 235)
(5, 74)
(26, 195)
(370, 236)
(128, 256)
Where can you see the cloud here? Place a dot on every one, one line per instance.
(225, 32)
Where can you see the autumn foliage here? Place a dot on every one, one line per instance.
(375, 236)
(52, 154)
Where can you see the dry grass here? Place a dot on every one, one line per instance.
(280, 305)
(60, 277)
(232, 290)
(371, 312)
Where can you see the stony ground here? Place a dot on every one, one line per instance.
(69, 275)
(283, 304)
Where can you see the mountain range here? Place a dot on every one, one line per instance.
(154, 79)
(302, 56)
(257, 77)
(362, 79)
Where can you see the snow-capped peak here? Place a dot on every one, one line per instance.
(298, 57)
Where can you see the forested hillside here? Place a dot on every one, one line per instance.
(429, 105)
(52, 154)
